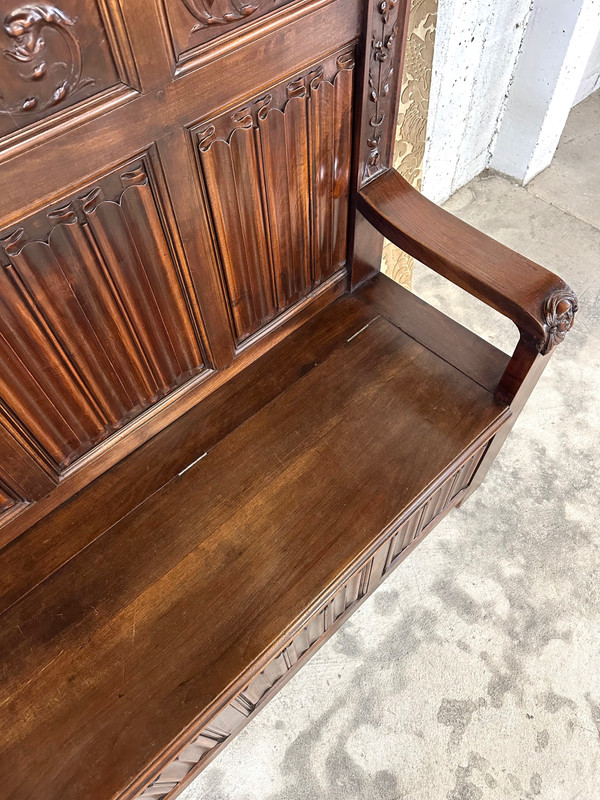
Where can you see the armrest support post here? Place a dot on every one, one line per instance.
(522, 373)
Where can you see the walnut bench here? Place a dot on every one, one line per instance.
(220, 426)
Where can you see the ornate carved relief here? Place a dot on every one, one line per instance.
(236, 713)
(94, 324)
(25, 26)
(52, 58)
(228, 11)
(277, 170)
(559, 313)
(196, 23)
(380, 82)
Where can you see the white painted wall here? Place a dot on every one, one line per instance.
(505, 76)
(591, 75)
(557, 44)
(477, 44)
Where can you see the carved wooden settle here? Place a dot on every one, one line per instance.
(220, 426)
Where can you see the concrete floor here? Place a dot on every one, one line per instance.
(473, 673)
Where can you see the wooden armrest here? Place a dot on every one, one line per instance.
(535, 299)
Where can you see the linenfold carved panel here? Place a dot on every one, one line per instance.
(95, 316)
(236, 713)
(277, 172)
(194, 23)
(52, 56)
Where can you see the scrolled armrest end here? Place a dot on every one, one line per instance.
(559, 312)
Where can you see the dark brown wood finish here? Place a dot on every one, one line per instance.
(204, 436)
(385, 27)
(310, 454)
(539, 303)
(130, 275)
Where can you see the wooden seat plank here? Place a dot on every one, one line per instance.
(112, 656)
(29, 559)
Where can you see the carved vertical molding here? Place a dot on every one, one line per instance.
(342, 158)
(411, 130)
(284, 152)
(94, 322)
(281, 178)
(233, 178)
(321, 146)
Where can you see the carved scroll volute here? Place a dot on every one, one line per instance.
(40, 83)
(559, 315)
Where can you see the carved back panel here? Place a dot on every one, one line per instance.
(177, 179)
(277, 172)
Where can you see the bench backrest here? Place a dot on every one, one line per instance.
(178, 184)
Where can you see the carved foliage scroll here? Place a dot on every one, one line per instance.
(277, 174)
(25, 26)
(207, 14)
(236, 713)
(381, 78)
(196, 23)
(51, 56)
(94, 320)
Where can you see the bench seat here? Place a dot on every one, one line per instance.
(199, 572)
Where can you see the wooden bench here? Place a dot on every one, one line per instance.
(220, 426)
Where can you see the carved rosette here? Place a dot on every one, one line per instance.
(559, 314)
(381, 75)
(25, 28)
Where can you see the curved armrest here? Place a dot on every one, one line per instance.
(535, 299)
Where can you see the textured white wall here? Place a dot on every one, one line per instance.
(556, 47)
(505, 76)
(591, 75)
(477, 44)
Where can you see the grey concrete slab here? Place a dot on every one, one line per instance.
(572, 182)
(473, 673)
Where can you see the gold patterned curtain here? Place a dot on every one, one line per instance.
(412, 118)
